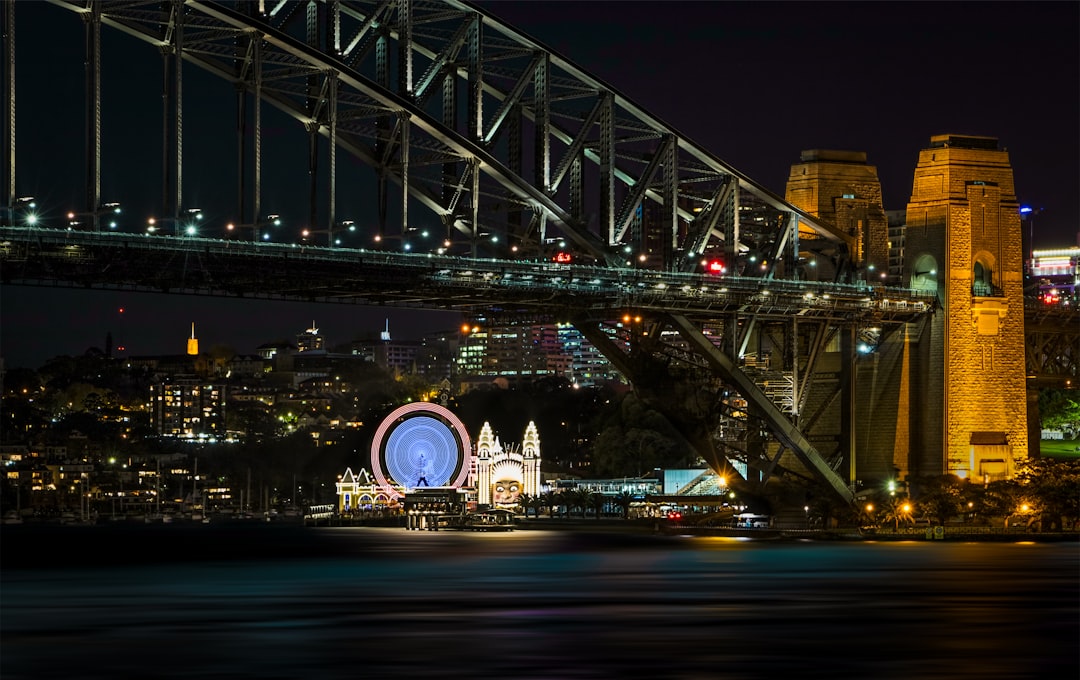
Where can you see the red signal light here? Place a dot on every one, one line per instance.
(715, 267)
(564, 258)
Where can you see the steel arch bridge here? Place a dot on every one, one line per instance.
(517, 152)
(509, 145)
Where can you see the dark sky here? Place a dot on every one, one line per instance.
(755, 83)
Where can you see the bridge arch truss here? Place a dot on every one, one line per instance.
(508, 144)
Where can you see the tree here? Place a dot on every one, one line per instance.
(1056, 486)
(549, 500)
(635, 439)
(939, 497)
(1060, 409)
(623, 500)
(1001, 498)
(526, 501)
(571, 499)
(597, 501)
(896, 510)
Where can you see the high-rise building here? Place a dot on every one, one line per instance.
(188, 407)
(587, 366)
(310, 340)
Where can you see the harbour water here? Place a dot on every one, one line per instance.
(358, 602)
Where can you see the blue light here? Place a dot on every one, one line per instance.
(1025, 209)
(422, 448)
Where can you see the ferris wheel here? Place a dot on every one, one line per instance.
(419, 445)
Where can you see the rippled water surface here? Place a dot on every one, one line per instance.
(200, 602)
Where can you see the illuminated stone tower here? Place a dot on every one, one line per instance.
(193, 342)
(839, 187)
(962, 239)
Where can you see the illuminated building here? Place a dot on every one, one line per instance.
(359, 492)
(310, 340)
(188, 407)
(503, 474)
(531, 351)
(1056, 275)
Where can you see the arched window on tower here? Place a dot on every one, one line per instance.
(924, 273)
(982, 284)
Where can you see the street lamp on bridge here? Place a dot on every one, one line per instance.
(272, 220)
(24, 205)
(194, 216)
(182, 226)
(76, 218)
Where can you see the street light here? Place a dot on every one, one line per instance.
(194, 216)
(94, 215)
(1028, 213)
(343, 225)
(271, 220)
(24, 204)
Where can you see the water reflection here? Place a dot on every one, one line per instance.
(356, 602)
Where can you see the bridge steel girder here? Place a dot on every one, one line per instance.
(782, 428)
(1052, 344)
(233, 268)
(573, 117)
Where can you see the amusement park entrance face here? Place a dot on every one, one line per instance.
(505, 492)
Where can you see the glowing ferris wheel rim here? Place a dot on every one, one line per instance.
(420, 442)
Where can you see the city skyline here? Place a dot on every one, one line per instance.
(914, 67)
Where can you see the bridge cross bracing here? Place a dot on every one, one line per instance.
(515, 151)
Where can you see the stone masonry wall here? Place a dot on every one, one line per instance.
(963, 209)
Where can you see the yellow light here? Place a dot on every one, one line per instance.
(869, 507)
(907, 507)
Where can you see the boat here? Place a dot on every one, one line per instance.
(487, 521)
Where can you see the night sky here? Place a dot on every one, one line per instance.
(755, 83)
